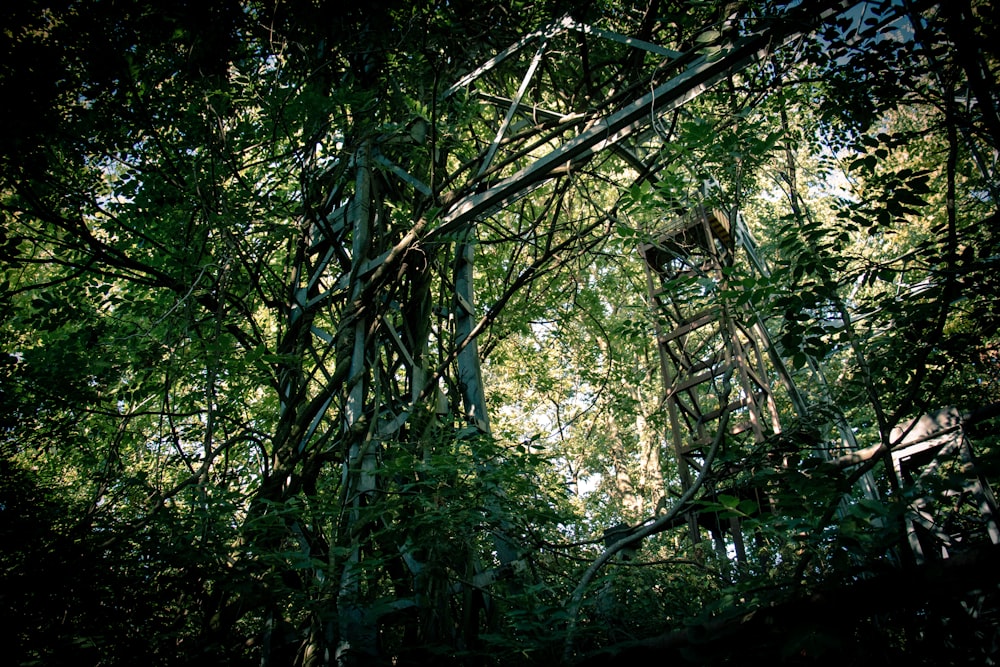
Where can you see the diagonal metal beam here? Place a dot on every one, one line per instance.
(551, 31)
(606, 132)
(546, 114)
(513, 107)
(622, 39)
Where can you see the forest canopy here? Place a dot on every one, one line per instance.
(480, 333)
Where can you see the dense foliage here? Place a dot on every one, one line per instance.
(269, 395)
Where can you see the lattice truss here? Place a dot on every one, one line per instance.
(713, 356)
(527, 133)
(386, 303)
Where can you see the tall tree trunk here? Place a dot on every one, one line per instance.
(650, 464)
(631, 501)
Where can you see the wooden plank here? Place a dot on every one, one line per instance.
(702, 377)
(699, 320)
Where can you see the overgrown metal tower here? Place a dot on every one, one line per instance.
(714, 359)
(713, 355)
(712, 362)
(718, 363)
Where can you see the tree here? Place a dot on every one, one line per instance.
(317, 321)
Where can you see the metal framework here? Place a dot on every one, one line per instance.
(507, 169)
(352, 261)
(348, 262)
(934, 450)
(712, 358)
(711, 362)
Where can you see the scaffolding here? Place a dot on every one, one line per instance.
(710, 361)
(712, 356)
(716, 359)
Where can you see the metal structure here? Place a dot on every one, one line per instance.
(355, 265)
(716, 359)
(933, 450)
(349, 261)
(711, 361)
(713, 358)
